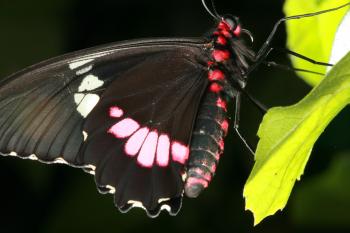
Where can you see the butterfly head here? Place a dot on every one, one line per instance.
(230, 26)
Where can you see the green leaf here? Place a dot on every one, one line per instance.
(287, 135)
(312, 37)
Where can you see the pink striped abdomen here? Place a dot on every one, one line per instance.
(207, 143)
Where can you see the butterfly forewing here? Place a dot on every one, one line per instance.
(124, 112)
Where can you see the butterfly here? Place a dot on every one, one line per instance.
(146, 117)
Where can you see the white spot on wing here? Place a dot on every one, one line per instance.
(90, 82)
(75, 64)
(60, 160)
(86, 105)
(111, 189)
(33, 157)
(12, 153)
(92, 167)
(136, 204)
(163, 199)
(184, 176)
(78, 98)
(166, 207)
(85, 135)
(84, 70)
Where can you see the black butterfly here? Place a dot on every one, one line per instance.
(146, 117)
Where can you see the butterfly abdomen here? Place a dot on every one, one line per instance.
(207, 143)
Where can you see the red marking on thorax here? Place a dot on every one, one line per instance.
(216, 88)
(223, 26)
(221, 40)
(237, 31)
(216, 75)
(220, 55)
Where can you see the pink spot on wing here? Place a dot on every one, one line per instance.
(124, 128)
(135, 142)
(148, 150)
(115, 112)
(179, 152)
(224, 26)
(163, 149)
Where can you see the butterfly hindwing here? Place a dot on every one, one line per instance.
(123, 112)
(163, 112)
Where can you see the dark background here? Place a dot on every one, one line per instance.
(55, 198)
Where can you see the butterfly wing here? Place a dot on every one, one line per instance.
(124, 112)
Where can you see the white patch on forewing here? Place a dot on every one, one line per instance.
(184, 176)
(90, 82)
(85, 135)
(84, 70)
(86, 103)
(341, 43)
(12, 153)
(78, 98)
(75, 64)
(163, 199)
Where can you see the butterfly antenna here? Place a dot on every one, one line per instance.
(215, 14)
(266, 45)
(214, 9)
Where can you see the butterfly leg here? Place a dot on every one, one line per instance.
(266, 47)
(288, 68)
(236, 123)
(295, 54)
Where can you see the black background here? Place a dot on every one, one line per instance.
(55, 198)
